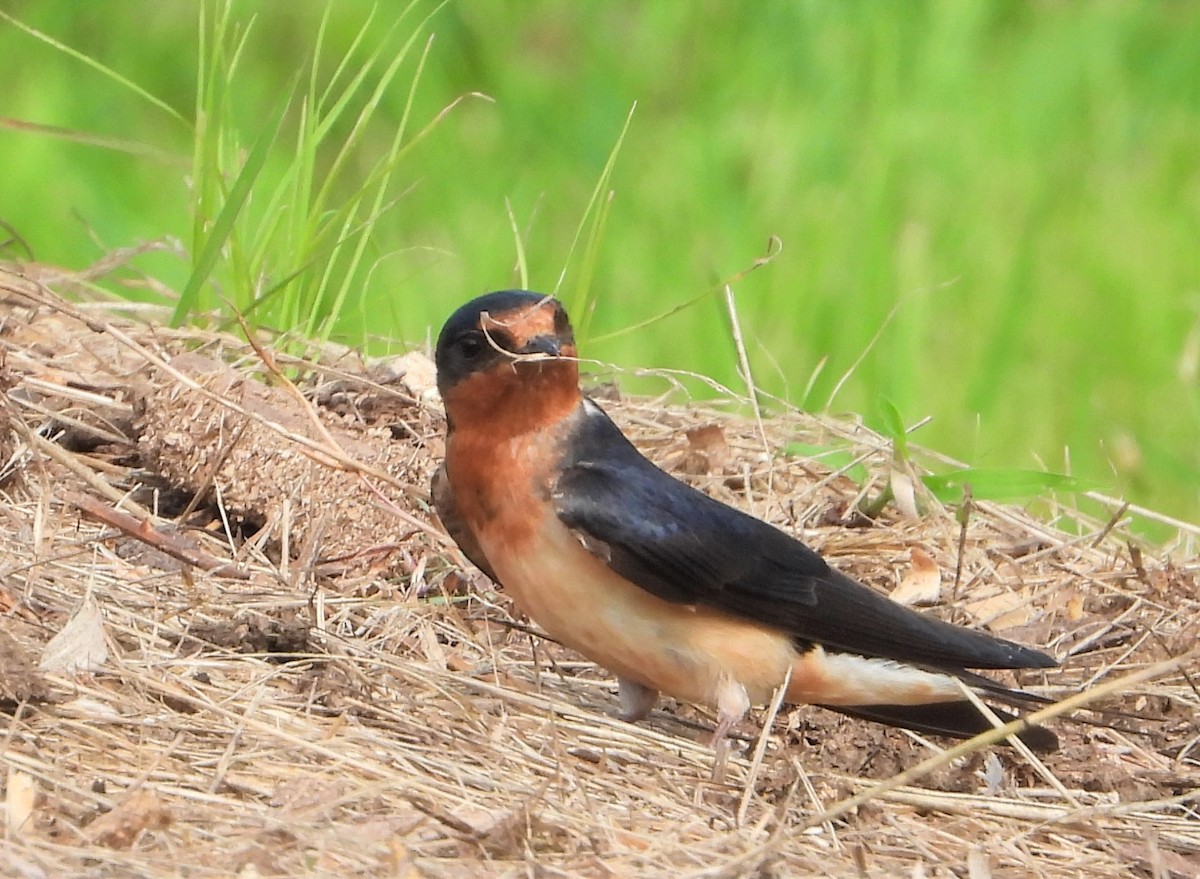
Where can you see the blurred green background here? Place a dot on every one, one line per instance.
(1004, 196)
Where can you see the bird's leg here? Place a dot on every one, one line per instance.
(637, 700)
(732, 705)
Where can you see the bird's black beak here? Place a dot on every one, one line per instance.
(550, 346)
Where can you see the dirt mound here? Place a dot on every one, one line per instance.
(235, 641)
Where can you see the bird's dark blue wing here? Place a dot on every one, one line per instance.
(686, 547)
(447, 509)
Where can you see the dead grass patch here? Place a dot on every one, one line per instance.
(279, 666)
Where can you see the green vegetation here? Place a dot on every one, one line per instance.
(989, 213)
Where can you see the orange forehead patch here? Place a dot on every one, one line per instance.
(522, 324)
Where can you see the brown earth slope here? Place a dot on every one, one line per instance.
(235, 642)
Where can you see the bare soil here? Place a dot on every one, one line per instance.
(235, 641)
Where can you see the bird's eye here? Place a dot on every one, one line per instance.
(470, 346)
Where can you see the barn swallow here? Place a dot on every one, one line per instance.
(672, 590)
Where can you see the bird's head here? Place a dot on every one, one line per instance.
(506, 362)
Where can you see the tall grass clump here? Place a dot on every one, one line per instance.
(289, 245)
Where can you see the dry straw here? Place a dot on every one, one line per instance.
(277, 665)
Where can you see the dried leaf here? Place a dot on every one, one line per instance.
(709, 442)
(20, 797)
(120, 828)
(1003, 610)
(418, 373)
(80, 647)
(90, 709)
(923, 582)
(993, 775)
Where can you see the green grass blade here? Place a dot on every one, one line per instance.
(774, 249)
(837, 460)
(999, 484)
(88, 138)
(223, 227)
(579, 303)
(519, 244)
(893, 426)
(96, 65)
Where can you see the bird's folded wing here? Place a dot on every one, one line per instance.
(452, 521)
(686, 547)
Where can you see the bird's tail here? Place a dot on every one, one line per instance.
(960, 720)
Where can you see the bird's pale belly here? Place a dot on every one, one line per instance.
(684, 651)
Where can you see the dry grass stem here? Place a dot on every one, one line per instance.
(360, 703)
